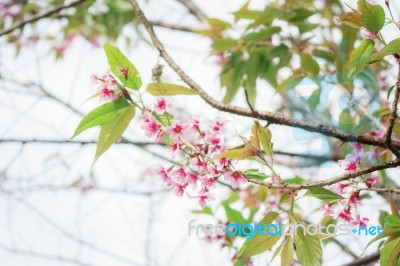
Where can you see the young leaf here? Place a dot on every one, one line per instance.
(259, 243)
(234, 216)
(102, 115)
(254, 174)
(309, 64)
(163, 88)
(308, 249)
(287, 252)
(389, 92)
(111, 132)
(392, 221)
(359, 58)
(352, 19)
(393, 207)
(390, 252)
(391, 48)
(372, 16)
(118, 61)
(322, 194)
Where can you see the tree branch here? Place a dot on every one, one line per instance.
(195, 10)
(392, 118)
(159, 23)
(365, 260)
(40, 16)
(330, 181)
(272, 118)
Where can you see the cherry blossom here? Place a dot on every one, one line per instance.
(235, 178)
(161, 105)
(351, 162)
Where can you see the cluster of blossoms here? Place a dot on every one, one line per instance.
(201, 145)
(108, 87)
(348, 211)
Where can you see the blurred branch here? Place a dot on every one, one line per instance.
(40, 16)
(392, 118)
(171, 26)
(364, 261)
(42, 256)
(195, 10)
(65, 232)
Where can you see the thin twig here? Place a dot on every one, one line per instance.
(195, 10)
(392, 118)
(40, 16)
(364, 261)
(330, 181)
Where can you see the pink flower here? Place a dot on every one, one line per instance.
(340, 187)
(360, 221)
(398, 24)
(192, 178)
(368, 35)
(218, 124)
(196, 124)
(164, 174)
(204, 197)
(175, 147)
(355, 199)
(177, 129)
(180, 174)
(345, 215)
(151, 127)
(161, 106)
(351, 162)
(376, 134)
(123, 72)
(358, 147)
(327, 208)
(235, 178)
(209, 183)
(199, 165)
(372, 180)
(223, 162)
(108, 94)
(180, 189)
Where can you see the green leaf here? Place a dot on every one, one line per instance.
(382, 216)
(392, 221)
(224, 44)
(352, 19)
(259, 243)
(234, 216)
(102, 115)
(390, 92)
(163, 88)
(391, 48)
(206, 210)
(287, 252)
(390, 252)
(111, 132)
(372, 16)
(322, 194)
(165, 119)
(295, 180)
(308, 249)
(234, 83)
(255, 174)
(309, 64)
(233, 153)
(395, 232)
(359, 58)
(117, 61)
(346, 121)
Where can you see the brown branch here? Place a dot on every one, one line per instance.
(330, 181)
(170, 26)
(392, 118)
(195, 10)
(40, 16)
(364, 261)
(63, 141)
(272, 118)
